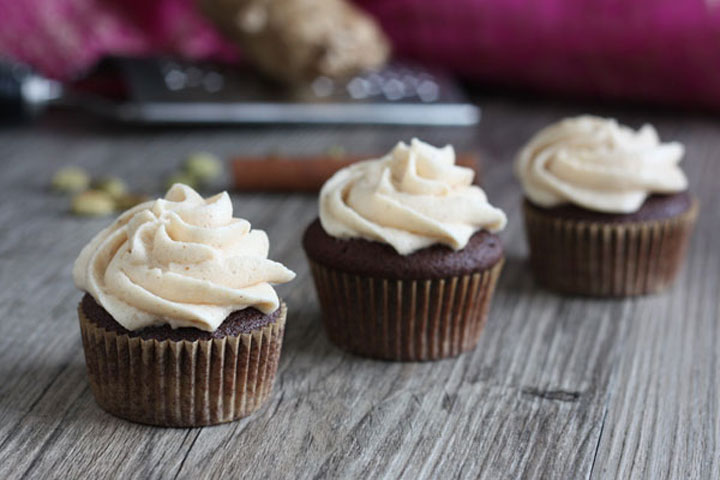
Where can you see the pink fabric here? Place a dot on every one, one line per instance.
(658, 50)
(62, 37)
(663, 50)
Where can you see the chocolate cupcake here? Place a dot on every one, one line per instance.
(404, 255)
(180, 324)
(607, 211)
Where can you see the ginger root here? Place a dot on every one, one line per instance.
(295, 41)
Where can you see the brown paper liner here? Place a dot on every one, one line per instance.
(182, 383)
(607, 259)
(409, 320)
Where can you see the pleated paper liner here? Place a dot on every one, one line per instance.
(607, 259)
(182, 383)
(408, 320)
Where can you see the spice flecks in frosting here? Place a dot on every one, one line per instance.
(412, 198)
(183, 261)
(597, 164)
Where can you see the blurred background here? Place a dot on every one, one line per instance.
(169, 64)
(272, 53)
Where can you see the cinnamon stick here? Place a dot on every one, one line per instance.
(305, 173)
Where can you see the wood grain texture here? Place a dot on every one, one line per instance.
(558, 387)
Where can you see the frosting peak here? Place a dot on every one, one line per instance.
(412, 198)
(598, 164)
(182, 260)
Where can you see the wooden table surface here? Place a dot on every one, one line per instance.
(558, 387)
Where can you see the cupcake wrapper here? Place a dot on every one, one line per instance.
(409, 320)
(182, 384)
(607, 259)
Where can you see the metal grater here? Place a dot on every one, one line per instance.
(168, 91)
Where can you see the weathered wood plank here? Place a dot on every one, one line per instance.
(558, 387)
(663, 417)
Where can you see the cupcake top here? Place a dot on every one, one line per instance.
(599, 165)
(413, 197)
(182, 261)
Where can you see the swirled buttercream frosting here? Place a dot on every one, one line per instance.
(181, 260)
(413, 197)
(598, 164)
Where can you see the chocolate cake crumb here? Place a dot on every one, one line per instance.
(380, 260)
(655, 207)
(238, 322)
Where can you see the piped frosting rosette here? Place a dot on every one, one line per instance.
(597, 164)
(183, 261)
(412, 198)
